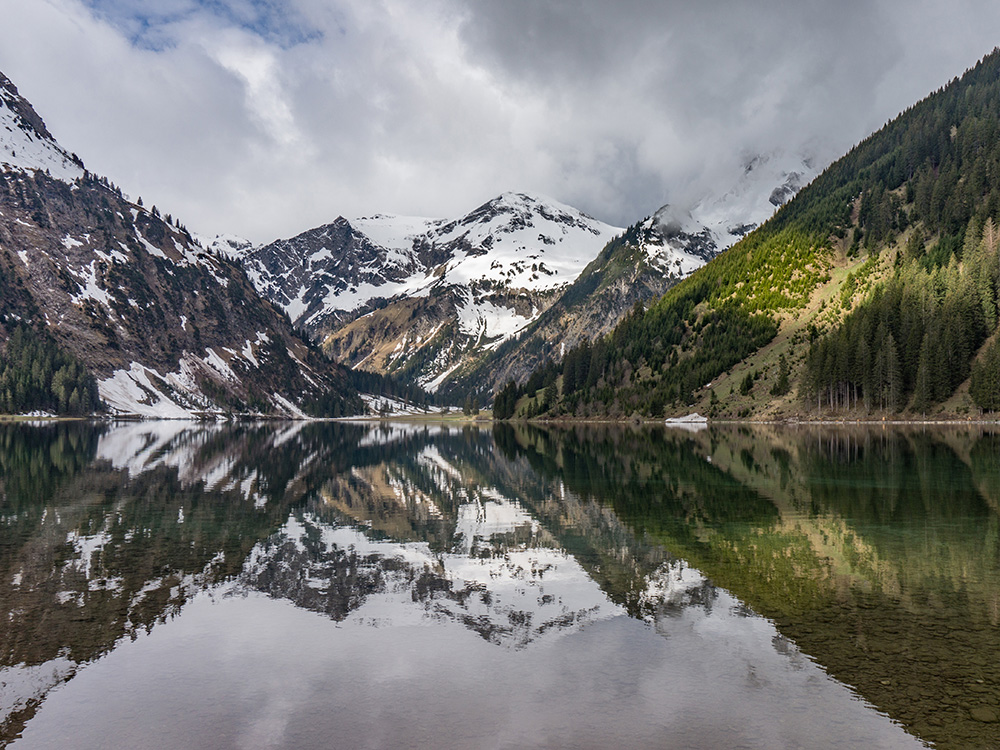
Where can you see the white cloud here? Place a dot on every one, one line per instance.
(257, 67)
(264, 118)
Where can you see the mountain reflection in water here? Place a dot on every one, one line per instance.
(167, 584)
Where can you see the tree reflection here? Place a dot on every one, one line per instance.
(874, 551)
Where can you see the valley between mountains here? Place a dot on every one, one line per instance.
(865, 289)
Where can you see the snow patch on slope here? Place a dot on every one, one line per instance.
(678, 241)
(23, 147)
(395, 232)
(227, 245)
(144, 392)
(134, 392)
(91, 288)
(491, 323)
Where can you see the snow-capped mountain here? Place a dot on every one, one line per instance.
(679, 237)
(463, 305)
(420, 296)
(166, 329)
(640, 266)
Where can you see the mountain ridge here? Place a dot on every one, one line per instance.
(435, 300)
(874, 292)
(466, 283)
(166, 329)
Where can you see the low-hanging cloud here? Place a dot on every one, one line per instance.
(264, 118)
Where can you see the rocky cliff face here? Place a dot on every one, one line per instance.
(461, 306)
(168, 329)
(421, 297)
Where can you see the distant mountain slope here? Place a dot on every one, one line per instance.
(417, 297)
(874, 291)
(460, 305)
(637, 267)
(164, 327)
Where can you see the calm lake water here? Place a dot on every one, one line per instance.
(334, 585)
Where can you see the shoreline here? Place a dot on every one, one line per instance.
(483, 421)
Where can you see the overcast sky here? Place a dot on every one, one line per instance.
(264, 118)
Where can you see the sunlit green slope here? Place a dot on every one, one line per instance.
(873, 293)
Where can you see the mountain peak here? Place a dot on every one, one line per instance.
(674, 221)
(535, 202)
(519, 213)
(516, 198)
(25, 142)
(26, 117)
(228, 245)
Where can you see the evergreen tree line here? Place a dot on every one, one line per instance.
(37, 375)
(330, 403)
(541, 386)
(935, 171)
(678, 354)
(388, 385)
(985, 385)
(912, 343)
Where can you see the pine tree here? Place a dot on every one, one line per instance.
(506, 401)
(781, 385)
(863, 358)
(985, 384)
(923, 394)
(894, 377)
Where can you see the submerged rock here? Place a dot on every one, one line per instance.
(984, 714)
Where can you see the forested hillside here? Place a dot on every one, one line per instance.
(36, 374)
(873, 292)
(106, 304)
(638, 266)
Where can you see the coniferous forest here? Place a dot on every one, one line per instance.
(874, 292)
(912, 214)
(37, 375)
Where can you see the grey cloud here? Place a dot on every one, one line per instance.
(722, 78)
(263, 117)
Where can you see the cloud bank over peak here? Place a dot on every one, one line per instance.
(263, 118)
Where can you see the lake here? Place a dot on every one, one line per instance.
(173, 585)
